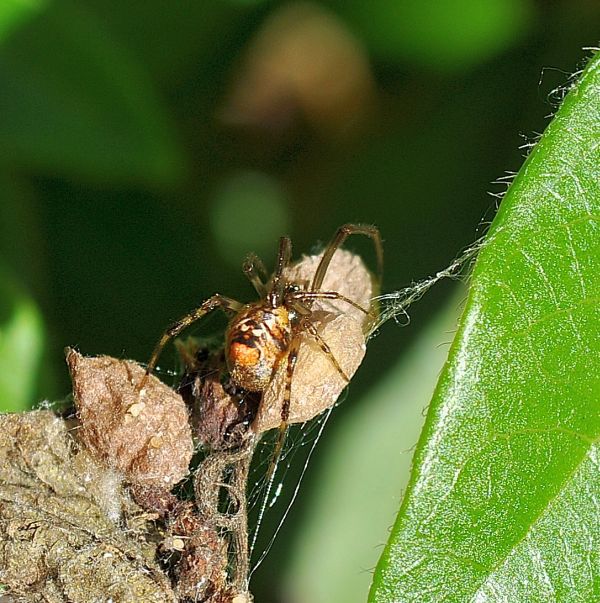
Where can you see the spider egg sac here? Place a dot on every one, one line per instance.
(316, 383)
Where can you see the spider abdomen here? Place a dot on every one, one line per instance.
(256, 339)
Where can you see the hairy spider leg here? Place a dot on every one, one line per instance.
(287, 396)
(292, 357)
(284, 255)
(325, 348)
(256, 272)
(342, 233)
(329, 295)
(283, 259)
(212, 303)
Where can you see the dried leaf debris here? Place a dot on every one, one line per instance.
(88, 512)
(59, 540)
(144, 434)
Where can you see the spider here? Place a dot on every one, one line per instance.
(265, 333)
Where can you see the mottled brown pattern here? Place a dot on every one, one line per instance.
(256, 341)
(144, 435)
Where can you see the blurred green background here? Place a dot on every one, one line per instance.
(145, 147)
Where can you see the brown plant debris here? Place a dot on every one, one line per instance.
(90, 515)
(200, 573)
(68, 531)
(144, 434)
(220, 412)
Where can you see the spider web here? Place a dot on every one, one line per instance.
(272, 494)
(277, 494)
(266, 493)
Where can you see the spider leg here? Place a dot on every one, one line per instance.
(310, 327)
(328, 295)
(342, 233)
(285, 407)
(278, 283)
(212, 303)
(256, 272)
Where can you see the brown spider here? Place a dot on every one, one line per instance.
(263, 334)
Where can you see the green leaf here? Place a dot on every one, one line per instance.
(503, 499)
(327, 565)
(76, 103)
(15, 12)
(446, 35)
(21, 346)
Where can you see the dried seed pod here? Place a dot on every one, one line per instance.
(316, 382)
(155, 499)
(221, 413)
(144, 434)
(202, 569)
